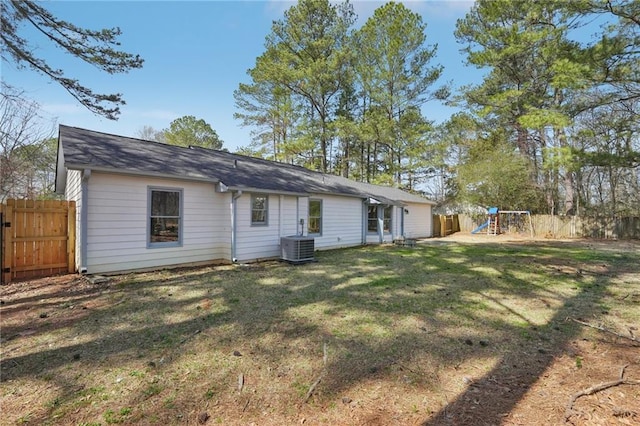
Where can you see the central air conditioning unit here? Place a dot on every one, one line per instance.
(297, 249)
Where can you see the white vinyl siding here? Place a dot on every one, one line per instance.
(341, 222)
(117, 213)
(290, 214)
(341, 225)
(72, 192)
(118, 220)
(73, 188)
(263, 242)
(418, 221)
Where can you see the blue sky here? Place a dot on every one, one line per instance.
(196, 53)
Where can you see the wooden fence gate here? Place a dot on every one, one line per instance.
(37, 238)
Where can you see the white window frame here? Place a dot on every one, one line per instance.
(266, 209)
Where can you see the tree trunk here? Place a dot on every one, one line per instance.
(569, 192)
(346, 152)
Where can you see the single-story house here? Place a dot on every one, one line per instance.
(143, 204)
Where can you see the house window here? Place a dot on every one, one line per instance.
(259, 209)
(374, 214)
(386, 219)
(372, 221)
(165, 217)
(315, 217)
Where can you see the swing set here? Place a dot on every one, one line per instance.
(506, 221)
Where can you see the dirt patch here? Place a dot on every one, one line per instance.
(519, 238)
(382, 344)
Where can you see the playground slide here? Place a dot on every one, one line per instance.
(480, 228)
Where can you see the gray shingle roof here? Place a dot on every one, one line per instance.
(86, 149)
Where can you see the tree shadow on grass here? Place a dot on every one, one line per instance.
(491, 398)
(379, 284)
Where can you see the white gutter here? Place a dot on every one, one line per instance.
(268, 191)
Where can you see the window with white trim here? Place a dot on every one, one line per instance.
(259, 209)
(315, 217)
(165, 217)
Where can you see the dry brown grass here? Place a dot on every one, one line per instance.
(446, 333)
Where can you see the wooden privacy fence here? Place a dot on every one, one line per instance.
(444, 225)
(553, 226)
(37, 238)
(587, 227)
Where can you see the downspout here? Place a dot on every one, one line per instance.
(380, 223)
(84, 217)
(365, 221)
(234, 222)
(297, 213)
(402, 222)
(280, 213)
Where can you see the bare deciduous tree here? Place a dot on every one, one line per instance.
(25, 148)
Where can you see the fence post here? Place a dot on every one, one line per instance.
(71, 236)
(7, 250)
(456, 223)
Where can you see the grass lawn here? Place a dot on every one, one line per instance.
(444, 333)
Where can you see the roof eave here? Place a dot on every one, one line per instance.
(140, 173)
(425, 201)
